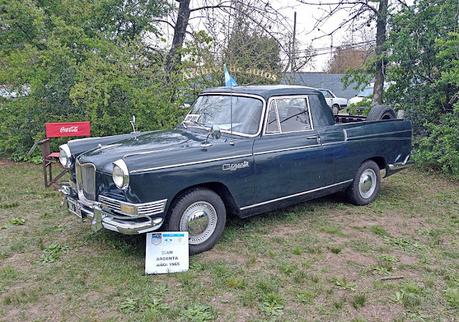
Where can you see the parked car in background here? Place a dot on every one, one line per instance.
(364, 94)
(336, 103)
(367, 93)
(240, 151)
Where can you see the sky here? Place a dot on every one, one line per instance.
(306, 34)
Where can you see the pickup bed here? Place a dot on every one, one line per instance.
(242, 151)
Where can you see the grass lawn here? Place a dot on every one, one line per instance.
(396, 259)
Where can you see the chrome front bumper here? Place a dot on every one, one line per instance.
(100, 218)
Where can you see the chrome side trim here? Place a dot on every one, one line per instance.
(143, 209)
(295, 195)
(381, 139)
(377, 134)
(191, 163)
(288, 149)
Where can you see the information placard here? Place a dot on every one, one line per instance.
(167, 252)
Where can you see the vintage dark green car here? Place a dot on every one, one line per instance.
(242, 151)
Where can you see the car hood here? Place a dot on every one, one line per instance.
(150, 144)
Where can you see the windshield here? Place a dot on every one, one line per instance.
(243, 113)
(366, 92)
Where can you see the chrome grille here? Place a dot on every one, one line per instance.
(143, 209)
(86, 180)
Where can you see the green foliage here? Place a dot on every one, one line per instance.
(129, 305)
(440, 149)
(361, 108)
(306, 297)
(359, 301)
(18, 221)
(423, 65)
(452, 296)
(198, 313)
(53, 252)
(378, 230)
(343, 283)
(272, 304)
(425, 68)
(252, 50)
(410, 295)
(81, 60)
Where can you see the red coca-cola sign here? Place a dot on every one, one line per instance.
(55, 130)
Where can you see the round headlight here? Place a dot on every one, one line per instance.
(120, 174)
(65, 157)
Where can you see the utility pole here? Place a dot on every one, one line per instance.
(293, 50)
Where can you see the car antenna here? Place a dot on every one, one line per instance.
(231, 110)
(229, 81)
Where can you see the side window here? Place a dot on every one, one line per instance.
(272, 125)
(293, 114)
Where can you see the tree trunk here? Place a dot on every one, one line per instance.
(381, 25)
(183, 16)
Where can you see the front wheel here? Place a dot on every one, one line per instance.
(202, 213)
(366, 184)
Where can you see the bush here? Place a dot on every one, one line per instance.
(76, 67)
(439, 149)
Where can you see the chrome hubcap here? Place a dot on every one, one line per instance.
(200, 220)
(367, 183)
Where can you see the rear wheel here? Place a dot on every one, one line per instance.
(366, 184)
(202, 213)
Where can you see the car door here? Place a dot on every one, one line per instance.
(288, 156)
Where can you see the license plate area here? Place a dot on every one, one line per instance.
(74, 208)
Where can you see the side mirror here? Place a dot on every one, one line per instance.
(215, 132)
(185, 106)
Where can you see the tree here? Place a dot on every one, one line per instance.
(361, 14)
(80, 60)
(347, 57)
(217, 16)
(424, 66)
